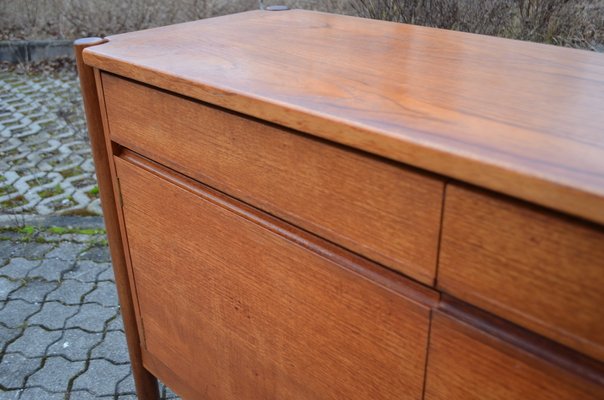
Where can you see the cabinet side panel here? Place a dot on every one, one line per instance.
(146, 383)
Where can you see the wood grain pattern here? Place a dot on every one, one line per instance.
(465, 363)
(185, 390)
(535, 268)
(524, 344)
(248, 313)
(146, 384)
(374, 207)
(515, 117)
(113, 149)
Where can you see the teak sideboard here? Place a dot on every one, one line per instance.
(309, 206)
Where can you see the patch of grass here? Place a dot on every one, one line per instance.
(11, 152)
(59, 230)
(39, 181)
(80, 183)
(82, 212)
(50, 192)
(28, 232)
(27, 229)
(20, 161)
(61, 204)
(101, 243)
(8, 189)
(14, 202)
(93, 193)
(68, 173)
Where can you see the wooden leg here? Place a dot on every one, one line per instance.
(146, 383)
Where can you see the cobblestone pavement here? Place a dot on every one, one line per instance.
(61, 333)
(45, 160)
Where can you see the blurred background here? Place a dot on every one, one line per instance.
(576, 23)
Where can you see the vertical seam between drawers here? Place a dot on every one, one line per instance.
(440, 232)
(428, 340)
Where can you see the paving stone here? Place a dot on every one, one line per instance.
(123, 397)
(56, 374)
(53, 315)
(113, 348)
(15, 312)
(7, 286)
(105, 293)
(91, 317)
(14, 368)
(70, 291)
(126, 385)
(75, 344)
(99, 254)
(170, 394)
(10, 395)
(18, 268)
(77, 238)
(34, 291)
(166, 393)
(116, 324)
(33, 342)
(83, 395)
(107, 275)
(53, 238)
(33, 250)
(18, 237)
(40, 394)
(12, 247)
(43, 120)
(8, 334)
(51, 269)
(66, 251)
(101, 378)
(86, 271)
(6, 248)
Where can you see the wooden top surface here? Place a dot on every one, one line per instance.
(520, 118)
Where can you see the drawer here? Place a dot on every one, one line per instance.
(465, 363)
(536, 268)
(376, 208)
(246, 307)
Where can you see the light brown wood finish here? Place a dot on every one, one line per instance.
(536, 268)
(515, 117)
(247, 307)
(372, 206)
(466, 363)
(113, 148)
(146, 384)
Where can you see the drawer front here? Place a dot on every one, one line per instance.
(370, 206)
(465, 363)
(533, 267)
(238, 311)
